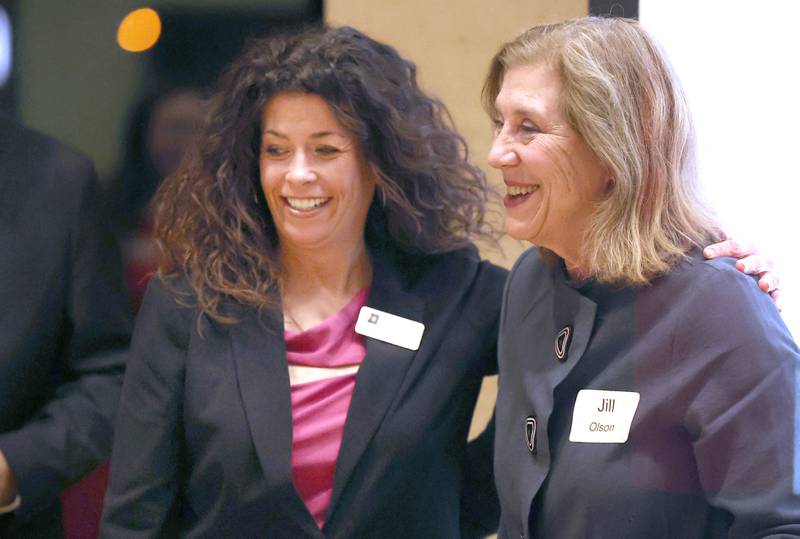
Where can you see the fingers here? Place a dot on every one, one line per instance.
(733, 248)
(755, 265)
(749, 262)
(769, 282)
(776, 298)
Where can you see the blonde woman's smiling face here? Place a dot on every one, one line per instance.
(312, 174)
(553, 180)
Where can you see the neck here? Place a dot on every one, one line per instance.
(318, 283)
(574, 262)
(343, 269)
(576, 271)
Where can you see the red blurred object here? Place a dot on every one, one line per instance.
(82, 505)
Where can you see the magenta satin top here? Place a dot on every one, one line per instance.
(323, 362)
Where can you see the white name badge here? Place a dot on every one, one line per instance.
(389, 328)
(603, 417)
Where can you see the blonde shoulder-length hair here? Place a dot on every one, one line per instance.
(621, 95)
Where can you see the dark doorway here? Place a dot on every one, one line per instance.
(196, 44)
(614, 8)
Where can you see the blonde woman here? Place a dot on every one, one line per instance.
(644, 390)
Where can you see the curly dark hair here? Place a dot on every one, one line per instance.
(212, 221)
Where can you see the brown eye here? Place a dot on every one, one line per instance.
(272, 150)
(497, 125)
(327, 151)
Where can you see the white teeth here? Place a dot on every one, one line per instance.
(516, 190)
(305, 204)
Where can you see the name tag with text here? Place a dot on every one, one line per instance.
(603, 417)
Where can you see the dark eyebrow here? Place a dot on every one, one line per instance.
(318, 135)
(322, 134)
(274, 133)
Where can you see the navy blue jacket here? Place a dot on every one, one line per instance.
(711, 447)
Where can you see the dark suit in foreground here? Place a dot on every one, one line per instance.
(64, 325)
(204, 433)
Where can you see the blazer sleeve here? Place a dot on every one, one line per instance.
(480, 505)
(71, 433)
(742, 364)
(146, 461)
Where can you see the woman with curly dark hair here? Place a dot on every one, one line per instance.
(308, 360)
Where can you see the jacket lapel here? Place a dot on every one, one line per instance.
(380, 376)
(556, 356)
(259, 352)
(535, 355)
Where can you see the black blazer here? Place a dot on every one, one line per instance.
(64, 322)
(204, 433)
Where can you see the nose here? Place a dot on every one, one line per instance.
(502, 154)
(300, 169)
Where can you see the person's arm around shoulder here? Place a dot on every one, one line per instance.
(741, 415)
(146, 458)
(750, 261)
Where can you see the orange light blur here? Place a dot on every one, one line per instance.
(139, 30)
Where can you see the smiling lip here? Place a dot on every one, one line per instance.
(517, 194)
(305, 205)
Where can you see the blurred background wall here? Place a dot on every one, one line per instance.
(74, 82)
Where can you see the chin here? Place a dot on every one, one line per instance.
(520, 232)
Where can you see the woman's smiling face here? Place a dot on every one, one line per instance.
(553, 179)
(312, 173)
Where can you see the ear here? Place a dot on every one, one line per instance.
(610, 182)
(370, 171)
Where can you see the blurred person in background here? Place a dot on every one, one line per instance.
(161, 128)
(64, 328)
